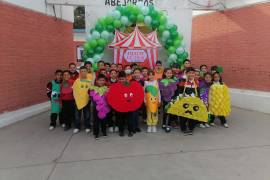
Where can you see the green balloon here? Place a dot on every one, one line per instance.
(95, 67)
(163, 20)
(161, 28)
(99, 49)
(117, 24)
(99, 27)
(169, 42)
(87, 46)
(177, 43)
(174, 34)
(132, 18)
(171, 50)
(109, 20)
(110, 28)
(93, 43)
(155, 24)
(102, 42)
(140, 18)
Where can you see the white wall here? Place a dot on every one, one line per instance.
(62, 12)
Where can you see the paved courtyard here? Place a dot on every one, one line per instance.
(28, 151)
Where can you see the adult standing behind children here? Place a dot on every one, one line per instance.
(73, 71)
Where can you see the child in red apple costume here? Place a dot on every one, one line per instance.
(125, 97)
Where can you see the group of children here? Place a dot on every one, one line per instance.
(82, 96)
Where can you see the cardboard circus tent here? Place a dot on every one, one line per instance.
(136, 48)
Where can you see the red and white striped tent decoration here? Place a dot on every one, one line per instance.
(119, 36)
(153, 37)
(135, 48)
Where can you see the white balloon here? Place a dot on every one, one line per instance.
(140, 4)
(180, 50)
(148, 20)
(116, 14)
(124, 20)
(95, 35)
(173, 57)
(166, 34)
(105, 35)
(89, 37)
(145, 10)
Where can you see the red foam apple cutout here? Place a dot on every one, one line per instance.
(125, 98)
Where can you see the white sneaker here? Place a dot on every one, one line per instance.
(63, 125)
(154, 129)
(212, 124)
(226, 125)
(116, 129)
(149, 129)
(51, 128)
(202, 126)
(75, 131)
(111, 129)
(87, 131)
(207, 125)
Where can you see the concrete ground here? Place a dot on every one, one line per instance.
(28, 151)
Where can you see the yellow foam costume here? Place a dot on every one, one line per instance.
(219, 100)
(189, 107)
(80, 92)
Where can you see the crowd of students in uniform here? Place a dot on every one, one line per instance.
(73, 98)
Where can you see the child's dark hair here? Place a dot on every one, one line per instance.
(101, 61)
(127, 66)
(165, 71)
(113, 70)
(187, 60)
(133, 64)
(137, 69)
(151, 72)
(214, 68)
(102, 76)
(107, 64)
(190, 69)
(220, 78)
(158, 62)
(122, 74)
(119, 64)
(70, 64)
(203, 65)
(66, 71)
(87, 62)
(143, 68)
(83, 67)
(58, 71)
(207, 73)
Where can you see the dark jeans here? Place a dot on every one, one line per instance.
(144, 114)
(222, 119)
(187, 123)
(68, 110)
(85, 112)
(125, 118)
(111, 121)
(99, 123)
(135, 120)
(54, 117)
(165, 115)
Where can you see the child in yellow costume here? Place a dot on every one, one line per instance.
(152, 100)
(219, 101)
(80, 91)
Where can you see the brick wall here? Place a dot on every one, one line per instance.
(32, 46)
(238, 40)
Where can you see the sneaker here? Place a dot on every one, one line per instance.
(154, 129)
(226, 125)
(168, 129)
(212, 124)
(96, 137)
(121, 134)
(75, 131)
(185, 133)
(149, 129)
(87, 131)
(202, 126)
(116, 129)
(190, 132)
(138, 130)
(63, 125)
(207, 125)
(111, 129)
(105, 135)
(130, 134)
(51, 128)
(163, 126)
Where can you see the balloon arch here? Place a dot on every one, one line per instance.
(123, 17)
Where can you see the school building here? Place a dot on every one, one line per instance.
(37, 37)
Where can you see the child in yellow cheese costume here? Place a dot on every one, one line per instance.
(80, 91)
(219, 101)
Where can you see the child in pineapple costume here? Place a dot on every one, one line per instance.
(53, 93)
(219, 101)
(80, 91)
(152, 100)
